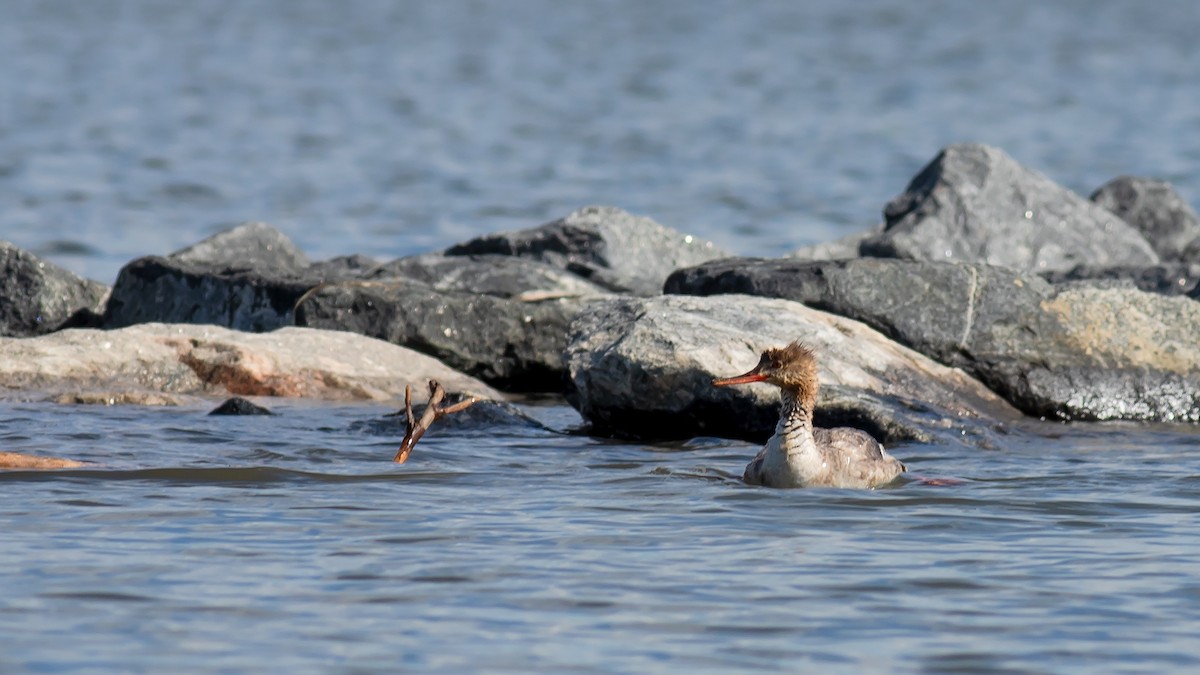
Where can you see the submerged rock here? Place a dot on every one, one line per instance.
(610, 247)
(973, 203)
(507, 342)
(1071, 352)
(248, 278)
(644, 368)
(1153, 207)
(17, 460)
(183, 359)
(39, 297)
(240, 406)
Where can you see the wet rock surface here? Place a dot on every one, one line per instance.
(172, 362)
(38, 297)
(509, 343)
(1075, 352)
(248, 278)
(1153, 207)
(974, 203)
(643, 368)
(607, 246)
(239, 406)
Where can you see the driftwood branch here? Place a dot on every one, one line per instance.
(415, 428)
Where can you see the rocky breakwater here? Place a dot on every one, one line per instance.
(498, 307)
(248, 278)
(1092, 347)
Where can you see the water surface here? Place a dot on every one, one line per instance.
(292, 543)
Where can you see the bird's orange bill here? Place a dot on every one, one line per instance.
(752, 376)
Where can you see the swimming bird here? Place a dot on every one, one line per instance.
(799, 455)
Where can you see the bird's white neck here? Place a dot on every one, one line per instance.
(795, 427)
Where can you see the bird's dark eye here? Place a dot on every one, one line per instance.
(776, 365)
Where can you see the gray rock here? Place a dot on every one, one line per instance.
(839, 249)
(39, 297)
(252, 245)
(1071, 352)
(643, 367)
(605, 245)
(974, 203)
(237, 406)
(512, 344)
(249, 278)
(166, 364)
(499, 275)
(1166, 279)
(1152, 206)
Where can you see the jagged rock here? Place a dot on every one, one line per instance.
(184, 359)
(248, 278)
(39, 297)
(499, 275)
(1166, 279)
(240, 406)
(1152, 206)
(509, 343)
(974, 203)
(642, 367)
(610, 247)
(1070, 352)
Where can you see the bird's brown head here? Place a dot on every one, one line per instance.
(793, 367)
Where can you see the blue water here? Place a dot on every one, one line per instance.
(134, 127)
(291, 543)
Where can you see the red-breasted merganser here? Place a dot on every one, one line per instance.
(799, 455)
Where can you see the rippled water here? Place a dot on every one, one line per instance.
(139, 126)
(291, 542)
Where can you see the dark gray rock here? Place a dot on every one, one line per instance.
(38, 297)
(240, 406)
(608, 246)
(1166, 279)
(499, 275)
(643, 368)
(248, 278)
(252, 245)
(1071, 352)
(975, 204)
(509, 343)
(1152, 206)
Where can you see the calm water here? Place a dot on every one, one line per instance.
(291, 543)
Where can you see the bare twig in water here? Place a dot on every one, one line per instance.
(16, 460)
(434, 410)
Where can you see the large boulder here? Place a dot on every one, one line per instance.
(610, 247)
(973, 203)
(1152, 206)
(499, 275)
(161, 363)
(643, 367)
(1072, 352)
(248, 278)
(39, 297)
(511, 343)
